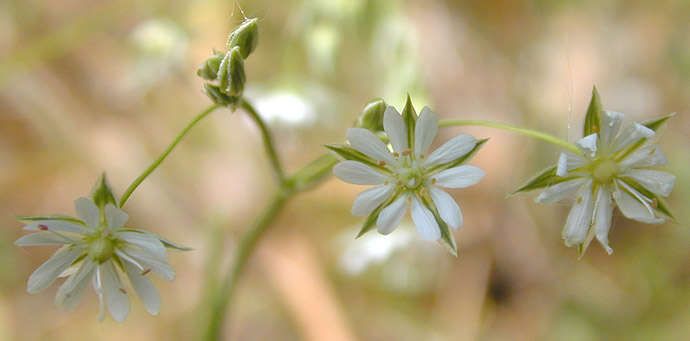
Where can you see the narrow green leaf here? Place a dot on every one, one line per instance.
(410, 117)
(594, 112)
(657, 123)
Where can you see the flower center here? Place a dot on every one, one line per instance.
(410, 178)
(101, 249)
(604, 171)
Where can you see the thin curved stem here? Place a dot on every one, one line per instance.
(267, 139)
(167, 151)
(527, 132)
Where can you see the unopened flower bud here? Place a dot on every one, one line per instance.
(209, 69)
(231, 76)
(372, 115)
(246, 36)
(218, 96)
(102, 194)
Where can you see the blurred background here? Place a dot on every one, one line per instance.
(92, 86)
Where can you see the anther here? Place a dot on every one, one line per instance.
(579, 200)
(43, 227)
(382, 163)
(433, 181)
(421, 156)
(655, 203)
(406, 152)
(123, 291)
(396, 154)
(145, 272)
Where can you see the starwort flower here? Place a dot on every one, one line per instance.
(617, 167)
(407, 175)
(96, 248)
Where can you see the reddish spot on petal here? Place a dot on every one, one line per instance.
(43, 227)
(145, 272)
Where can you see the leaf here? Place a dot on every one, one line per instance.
(410, 117)
(657, 123)
(594, 112)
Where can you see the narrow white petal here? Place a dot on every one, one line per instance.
(633, 204)
(459, 177)
(448, 209)
(115, 294)
(391, 215)
(452, 150)
(46, 274)
(57, 226)
(655, 181)
(603, 210)
(358, 173)
(580, 217)
(115, 217)
(149, 261)
(560, 191)
(144, 287)
(588, 145)
(145, 241)
(562, 167)
(395, 128)
(88, 212)
(610, 124)
(567, 162)
(367, 201)
(71, 292)
(648, 155)
(425, 131)
(366, 142)
(98, 287)
(424, 221)
(43, 238)
(632, 133)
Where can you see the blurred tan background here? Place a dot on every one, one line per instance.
(92, 86)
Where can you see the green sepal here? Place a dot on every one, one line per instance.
(659, 205)
(245, 36)
(370, 222)
(237, 77)
(594, 111)
(348, 153)
(372, 116)
(209, 69)
(163, 241)
(545, 178)
(50, 217)
(447, 238)
(657, 123)
(461, 159)
(410, 117)
(217, 96)
(102, 194)
(223, 74)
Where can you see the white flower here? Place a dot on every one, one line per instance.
(93, 248)
(617, 168)
(406, 175)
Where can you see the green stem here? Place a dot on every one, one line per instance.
(528, 132)
(167, 151)
(267, 139)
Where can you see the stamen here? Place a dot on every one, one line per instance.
(42, 227)
(433, 181)
(406, 152)
(145, 272)
(579, 200)
(396, 154)
(123, 291)
(421, 156)
(382, 163)
(655, 203)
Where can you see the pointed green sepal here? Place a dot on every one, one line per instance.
(50, 217)
(658, 123)
(245, 36)
(348, 153)
(102, 193)
(209, 69)
(370, 223)
(594, 111)
(541, 180)
(163, 241)
(410, 117)
(658, 203)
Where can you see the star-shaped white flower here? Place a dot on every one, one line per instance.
(617, 168)
(95, 249)
(406, 175)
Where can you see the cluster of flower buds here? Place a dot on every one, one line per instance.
(224, 72)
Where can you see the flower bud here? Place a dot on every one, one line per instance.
(372, 115)
(246, 36)
(231, 76)
(209, 69)
(217, 96)
(102, 194)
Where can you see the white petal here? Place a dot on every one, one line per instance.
(145, 241)
(148, 260)
(71, 292)
(567, 162)
(391, 215)
(452, 150)
(88, 212)
(367, 201)
(588, 145)
(46, 274)
(43, 238)
(424, 221)
(633, 204)
(632, 133)
(145, 290)
(603, 210)
(448, 209)
(648, 155)
(425, 131)
(610, 124)
(560, 191)
(395, 128)
(98, 287)
(366, 142)
(115, 294)
(580, 217)
(115, 217)
(459, 177)
(57, 226)
(358, 173)
(655, 181)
